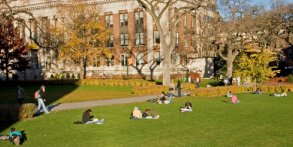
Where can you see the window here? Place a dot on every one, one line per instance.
(139, 39)
(157, 58)
(139, 59)
(110, 61)
(33, 28)
(110, 42)
(109, 21)
(123, 20)
(123, 60)
(156, 37)
(124, 39)
(139, 35)
(185, 20)
(96, 62)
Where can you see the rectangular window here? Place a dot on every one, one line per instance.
(156, 37)
(123, 20)
(139, 59)
(124, 39)
(110, 42)
(110, 61)
(185, 20)
(96, 62)
(139, 39)
(33, 28)
(109, 21)
(139, 35)
(123, 60)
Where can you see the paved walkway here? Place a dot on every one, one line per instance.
(88, 104)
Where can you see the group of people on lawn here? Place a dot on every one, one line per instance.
(87, 117)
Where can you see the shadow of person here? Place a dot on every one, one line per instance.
(225, 101)
(23, 138)
(50, 107)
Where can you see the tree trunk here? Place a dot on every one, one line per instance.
(229, 71)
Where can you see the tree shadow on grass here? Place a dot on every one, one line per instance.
(9, 109)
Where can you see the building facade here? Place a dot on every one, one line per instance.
(131, 27)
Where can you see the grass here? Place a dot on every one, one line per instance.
(259, 120)
(68, 93)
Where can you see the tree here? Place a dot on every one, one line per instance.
(256, 66)
(13, 53)
(84, 36)
(159, 11)
(233, 30)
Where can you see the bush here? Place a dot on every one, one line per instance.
(148, 90)
(290, 78)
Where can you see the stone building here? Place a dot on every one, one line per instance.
(131, 27)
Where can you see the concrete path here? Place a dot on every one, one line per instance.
(88, 104)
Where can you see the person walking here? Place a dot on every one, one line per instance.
(179, 87)
(21, 95)
(40, 96)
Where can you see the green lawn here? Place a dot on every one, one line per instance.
(259, 120)
(68, 93)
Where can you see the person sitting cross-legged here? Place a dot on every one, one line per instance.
(234, 99)
(88, 118)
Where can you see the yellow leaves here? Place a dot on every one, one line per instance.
(256, 66)
(33, 46)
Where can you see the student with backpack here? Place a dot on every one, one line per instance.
(39, 96)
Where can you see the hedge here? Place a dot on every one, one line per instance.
(211, 91)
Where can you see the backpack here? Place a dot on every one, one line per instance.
(37, 94)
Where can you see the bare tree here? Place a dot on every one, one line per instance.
(173, 10)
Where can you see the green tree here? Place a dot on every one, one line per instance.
(256, 66)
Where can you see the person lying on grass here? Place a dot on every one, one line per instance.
(88, 118)
(187, 107)
(136, 114)
(15, 136)
(150, 114)
(234, 99)
(280, 94)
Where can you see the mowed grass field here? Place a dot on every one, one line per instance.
(258, 121)
(67, 93)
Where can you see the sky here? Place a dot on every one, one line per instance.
(267, 3)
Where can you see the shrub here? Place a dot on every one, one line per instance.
(290, 78)
(14, 112)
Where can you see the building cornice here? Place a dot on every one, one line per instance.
(44, 5)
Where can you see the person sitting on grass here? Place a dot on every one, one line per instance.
(234, 99)
(150, 114)
(15, 136)
(187, 107)
(162, 99)
(229, 94)
(136, 114)
(280, 94)
(88, 118)
(258, 91)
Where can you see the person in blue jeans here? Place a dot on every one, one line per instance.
(40, 99)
